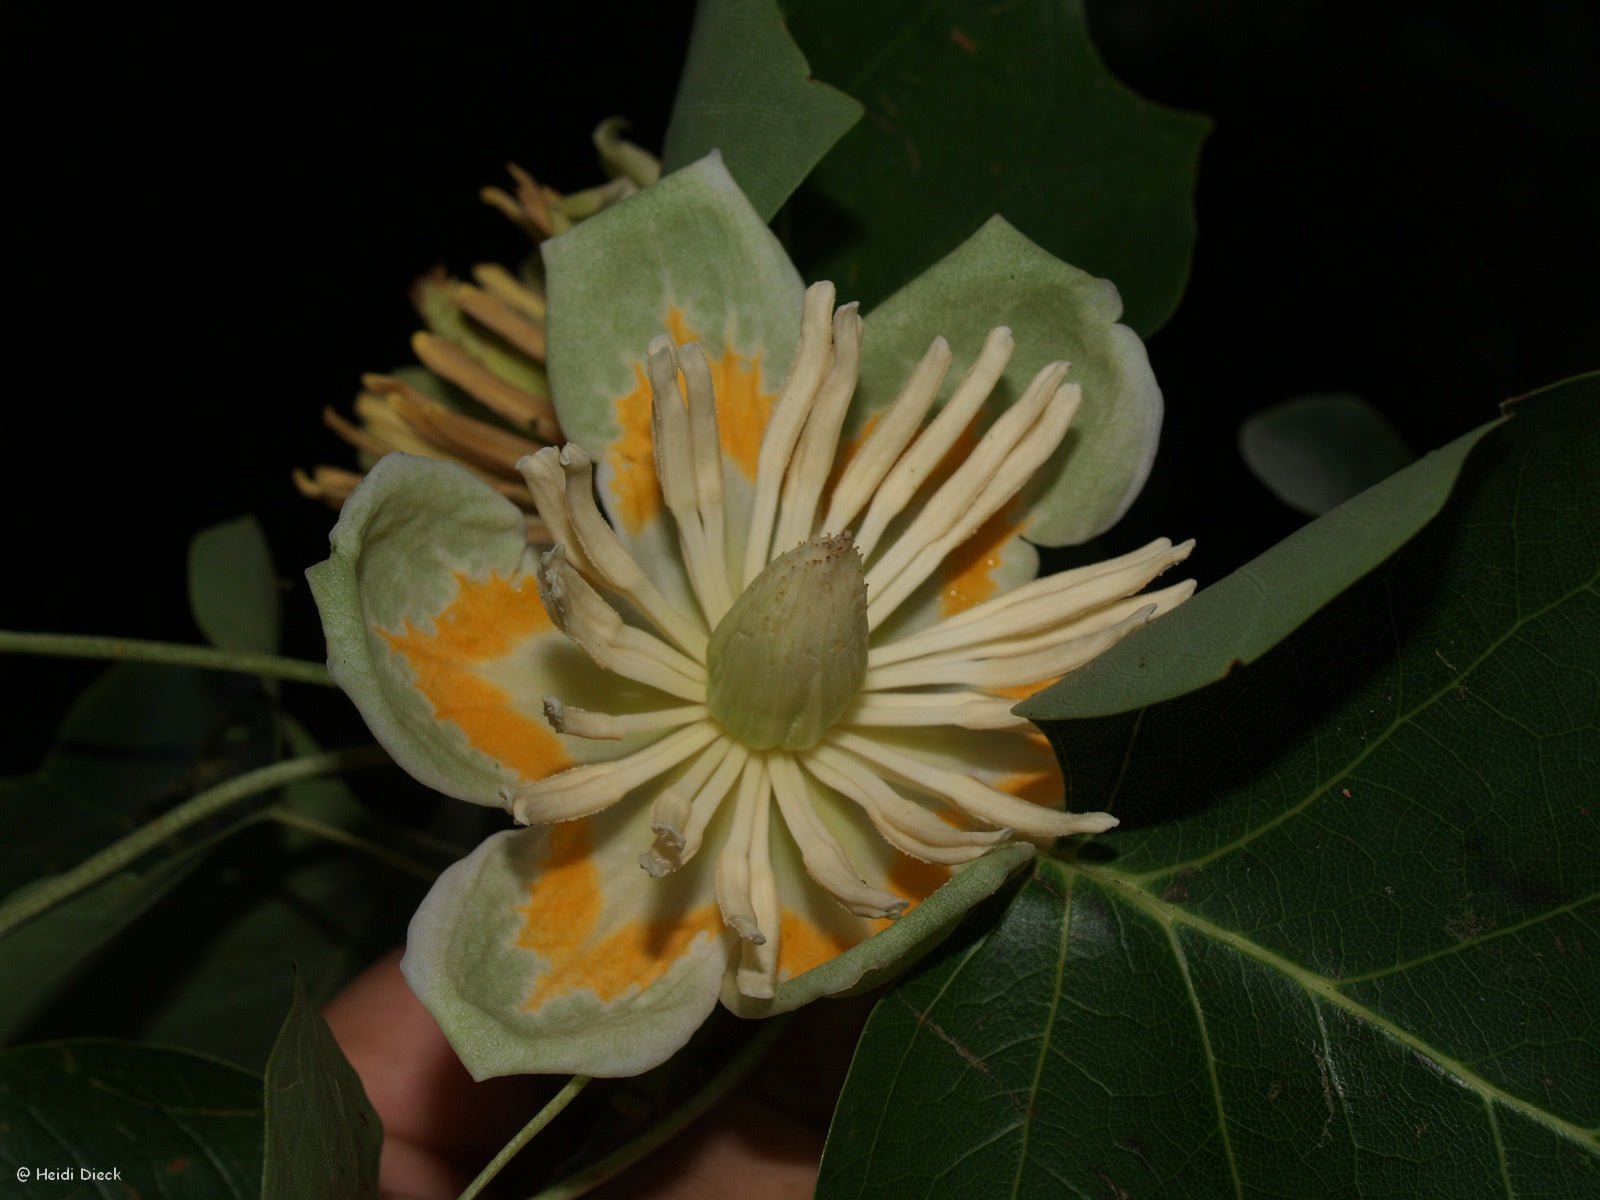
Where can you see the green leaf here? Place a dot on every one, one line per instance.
(170, 1125)
(233, 588)
(233, 934)
(1315, 452)
(1343, 943)
(1239, 619)
(212, 966)
(322, 1136)
(746, 91)
(139, 739)
(46, 953)
(975, 109)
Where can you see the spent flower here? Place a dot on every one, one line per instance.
(478, 395)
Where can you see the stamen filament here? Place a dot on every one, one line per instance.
(733, 864)
(970, 710)
(819, 437)
(677, 469)
(708, 484)
(598, 629)
(583, 790)
(1083, 625)
(1047, 602)
(684, 809)
(977, 800)
(902, 822)
(811, 362)
(547, 483)
(757, 974)
(1005, 459)
(913, 468)
(586, 723)
(891, 435)
(1010, 670)
(613, 566)
(825, 860)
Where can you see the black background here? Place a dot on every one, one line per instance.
(213, 217)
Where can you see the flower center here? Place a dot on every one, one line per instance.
(790, 655)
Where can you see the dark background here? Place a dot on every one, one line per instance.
(213, 218)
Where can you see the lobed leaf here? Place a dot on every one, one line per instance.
(747, 91)
(975, 109)
(1344, 941)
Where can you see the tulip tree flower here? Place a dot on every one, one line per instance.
(754, 705)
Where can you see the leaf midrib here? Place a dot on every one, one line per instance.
(1318, 987)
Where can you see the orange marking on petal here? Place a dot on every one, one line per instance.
(633, 485)
(1021, 691)
(1043, 787)
(968, 571)
(564, 899)
(484, 623)
(914, 880)
(802, 944)
(563, 913)
(742, 413)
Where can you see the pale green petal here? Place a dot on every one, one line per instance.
(688, 257)
(1055, 311)
(550, 950)
(436, 632)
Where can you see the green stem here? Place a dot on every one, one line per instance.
(512, 1148)
(735, 1069)
(147, 837)
(343, 837)
(175, 654)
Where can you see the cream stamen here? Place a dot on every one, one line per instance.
(584, 790)
(613, 566)
(1006, 457)
(677, 470)
(708, 485)
(811, 362)
(1029, 660)
(892, 434)
(598, 629)
(970, 710)
(902, 822)
(585, 723)
(819, 438)
(914, 467)
(1025, 646)
(977, 800)
(824, 858)
(547, 483)
(757, 975)
(1050, 602)
(733, 864)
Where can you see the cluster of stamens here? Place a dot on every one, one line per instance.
(770, 686)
